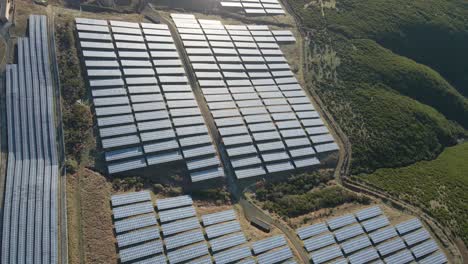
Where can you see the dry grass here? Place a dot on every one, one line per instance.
(24, 8)
(91, 238)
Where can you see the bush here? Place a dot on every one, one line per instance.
(302, 194)
(127, 183)
(158, 188)
(71, 166)
(77, 121)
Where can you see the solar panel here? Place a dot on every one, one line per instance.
(250, 172)
(90, 21)
(128, 198)
(168, 203)
(374, 224)
(133, 209)
(244, 162)
(401, 257)
(436, 258)
(368, 213)
(141, 251)
(207, 174)
(279, 166)
(187, 253)
(138, 236)
(219, 217)
(202, 260)
(175, 214)
(180, 226)
(306, 162)
(425, 248)
(232, 255)
(268, 244)
(198, 151)
(318, 242)
(363, 256)
(322, 148)
(123, 153)
(355, 244)
(222, 229)
(341, 221)
(312, 230)
(382, 235)
(416, 237)
(225, 242)
(161, 259)
(275, 256)
(326, 254)
(135, 223)
(183, 239)
(348, 232)
(391, 246)
(126, 165)
(408, 226)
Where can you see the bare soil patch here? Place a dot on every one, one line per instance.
(91, 237)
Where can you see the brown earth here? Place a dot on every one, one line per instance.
(91, 238)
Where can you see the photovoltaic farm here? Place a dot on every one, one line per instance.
(146, 111)
(254, 7)
(174, 233)
(30, 228)
(266, 121)
(367, 236)
(148, 115)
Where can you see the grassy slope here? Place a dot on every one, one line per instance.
(388, 129)
(438, 186)
(432, 32)
(372, 62)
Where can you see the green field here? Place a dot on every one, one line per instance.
(438, 186)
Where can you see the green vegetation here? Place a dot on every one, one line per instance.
(77, 117)
(431, 32)
(394, 110)
(303, 193)
(439, 187)
(371, 61)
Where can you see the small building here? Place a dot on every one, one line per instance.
(262, 225)
(6, 9)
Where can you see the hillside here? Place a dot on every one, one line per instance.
(395, 109)
(393, 75)
(437, 186)
(431, 32)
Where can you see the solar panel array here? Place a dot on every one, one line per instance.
(272, 250)
(225, 236)
(136, 228)
(30, 228)
(177, 235)
(254, 7)
(265, 119)
(367, 236)
(146, 111)
(182, 231)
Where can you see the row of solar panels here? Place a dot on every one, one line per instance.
(30, 229)
(150, 116)
(183, 238)
(254, 7)
(368, 236)
(266, 121)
